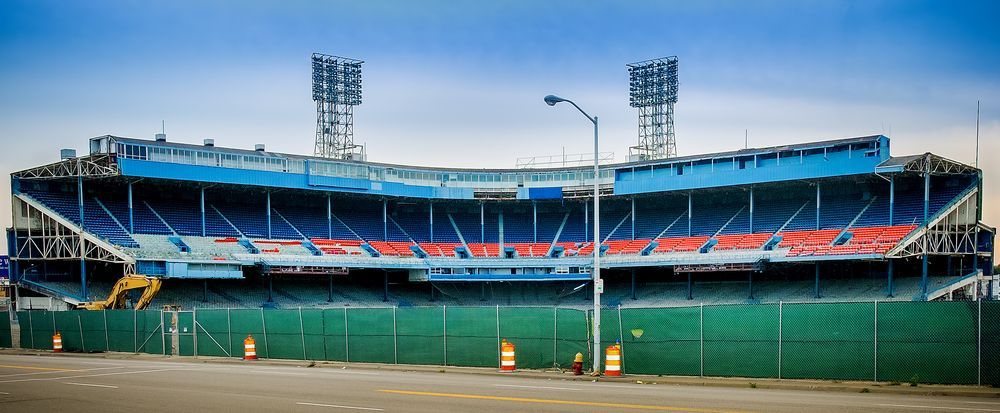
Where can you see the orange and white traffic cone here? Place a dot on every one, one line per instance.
(249, 348)
(613, 360)
(57, 343)
(507, 363)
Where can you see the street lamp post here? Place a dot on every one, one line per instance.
(551, 100)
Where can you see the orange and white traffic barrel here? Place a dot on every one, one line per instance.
(249, 348)
(57, 343)
(507, 363)
(613, 360)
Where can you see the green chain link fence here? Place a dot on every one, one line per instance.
(926, 342)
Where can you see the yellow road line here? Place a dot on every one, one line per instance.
(34, 368)
(562, 402)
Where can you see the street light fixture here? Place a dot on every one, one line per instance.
(551, 100)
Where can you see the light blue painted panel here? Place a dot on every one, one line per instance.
(659, 180)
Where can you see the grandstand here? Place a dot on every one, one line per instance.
(837, 220)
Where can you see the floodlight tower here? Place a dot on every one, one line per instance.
(653, 89)
(336, 89)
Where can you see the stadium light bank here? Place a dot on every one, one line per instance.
(551, 100)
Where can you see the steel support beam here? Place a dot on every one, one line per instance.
(430, 215)
(534, 221)
(892, 199)
(329, 218)
(690, 287)
(817, 205)
(202, 205)
(385, 219)
(83, 250)
(633, 218)
(690, 197)
(816, 287)
(890, 290)
(633, 284)
(923, 275)
(751, 209)
(269, 236)
(131, 220)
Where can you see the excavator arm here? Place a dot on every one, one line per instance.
(117, 297)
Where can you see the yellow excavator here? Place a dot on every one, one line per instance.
(117, 298)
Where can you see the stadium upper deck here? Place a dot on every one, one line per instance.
(189, 211)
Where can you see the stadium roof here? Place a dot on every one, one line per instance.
(924, 162)
(680, 159)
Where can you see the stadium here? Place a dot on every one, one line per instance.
(825, 221)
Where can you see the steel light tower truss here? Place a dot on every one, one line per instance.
(336, 89)
(653, 90)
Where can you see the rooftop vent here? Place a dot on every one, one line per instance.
(160, 137)
(210, 142)
(259, 147)
(65, 154)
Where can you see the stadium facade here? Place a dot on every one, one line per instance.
(811, 211)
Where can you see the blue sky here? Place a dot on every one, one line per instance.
(460, 83)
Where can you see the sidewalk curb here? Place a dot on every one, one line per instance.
(731, 382)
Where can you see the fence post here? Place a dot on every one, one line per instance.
(135, 330)
(163, 335)
(347, 339)
(780, 314)
(107, 344)
(979, 342)
(555, 336)
(701, 339)
(498, 337)
(79, 323)
(621, 338)
(586, 320)
(194, 330)
(876, 342)
(263, 326)
(229, 330)
(444, 315)
(395, 353)
(31, 330)
(302, 330)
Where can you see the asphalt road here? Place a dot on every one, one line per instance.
(83, 384)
